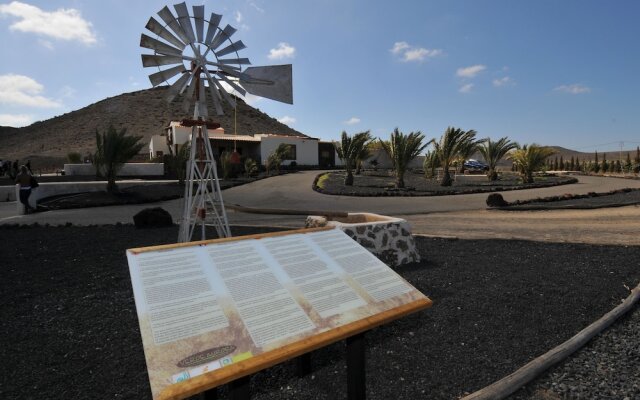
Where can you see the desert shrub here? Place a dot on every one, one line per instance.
(250, 167)
(74, 157)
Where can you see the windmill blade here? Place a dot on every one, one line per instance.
(152, 60)
(185, 20)
(202, 100)
(214, 21)
(223, 66)
(239, 61)
(167, 16)
(177, 87)
(215, 95)
(158, 46)
(188, 96)
(222, 36)
(157, 28)
(234, 85)
(198, 17)
(226, 95)
(165, 75)
(236, 46)
(280, 90)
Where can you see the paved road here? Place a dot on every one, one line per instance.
(462, 215)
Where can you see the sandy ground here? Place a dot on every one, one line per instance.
(618, 226)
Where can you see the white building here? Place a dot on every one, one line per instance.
(303, 150)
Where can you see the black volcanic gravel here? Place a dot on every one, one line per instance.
(69, 328)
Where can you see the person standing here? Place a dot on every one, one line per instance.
(28, 164)
(24, 180)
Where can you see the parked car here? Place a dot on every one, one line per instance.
(475, 165)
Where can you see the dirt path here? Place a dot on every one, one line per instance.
(619, 226)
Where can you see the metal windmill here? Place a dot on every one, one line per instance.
(197, 62)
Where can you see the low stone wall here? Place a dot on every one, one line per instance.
(7, 193)
(128, 169)
(57, 188)
(388, 238)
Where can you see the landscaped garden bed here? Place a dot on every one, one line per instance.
(381, 183)
(71, 332)
(614, 198)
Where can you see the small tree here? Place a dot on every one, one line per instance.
(74, 157)
(250, 167)
(402, 149)
(180, 161)
(448, 149)
(530, 158)
(596, 164)
(493, 152)
(113, 150)
(605, 166)
(627, 164)
(348, 150)
(555, 164)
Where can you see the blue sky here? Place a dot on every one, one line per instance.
(553, 72)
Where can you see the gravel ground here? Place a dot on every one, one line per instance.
(68, 310)
(606, 368)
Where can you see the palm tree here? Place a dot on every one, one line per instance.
(449, 147)
(492, 152)
(113, 150)
(276, 157)
(430, 164)
(530, 158)
(364, 153)
(348, 150)
(401, 150)
(467, 149)
(180, 161)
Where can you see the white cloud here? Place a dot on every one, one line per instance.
(64, 24)
(248, 97)
(15, 120)
(22, 90)
(287, 120)
(46, 44)
(409, 53)
(399, 46)
(352, 121)
(284, 50)
(575, 88)
(239, 17)
(504, 81)
(466, 88)
(256, 7)
(470, 72)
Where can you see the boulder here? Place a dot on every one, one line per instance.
(496, 200)
(156, 217)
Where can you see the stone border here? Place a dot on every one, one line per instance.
(315, 187)
(515, 205)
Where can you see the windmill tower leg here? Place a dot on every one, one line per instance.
(203, 205)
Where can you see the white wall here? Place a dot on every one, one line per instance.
(49, 189)
(129, 169)
(306, 148)
(158, 143)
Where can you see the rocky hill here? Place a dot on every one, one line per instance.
(144, 113)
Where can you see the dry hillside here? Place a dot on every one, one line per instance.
(143, 113)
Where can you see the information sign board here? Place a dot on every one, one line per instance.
(214, 311)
